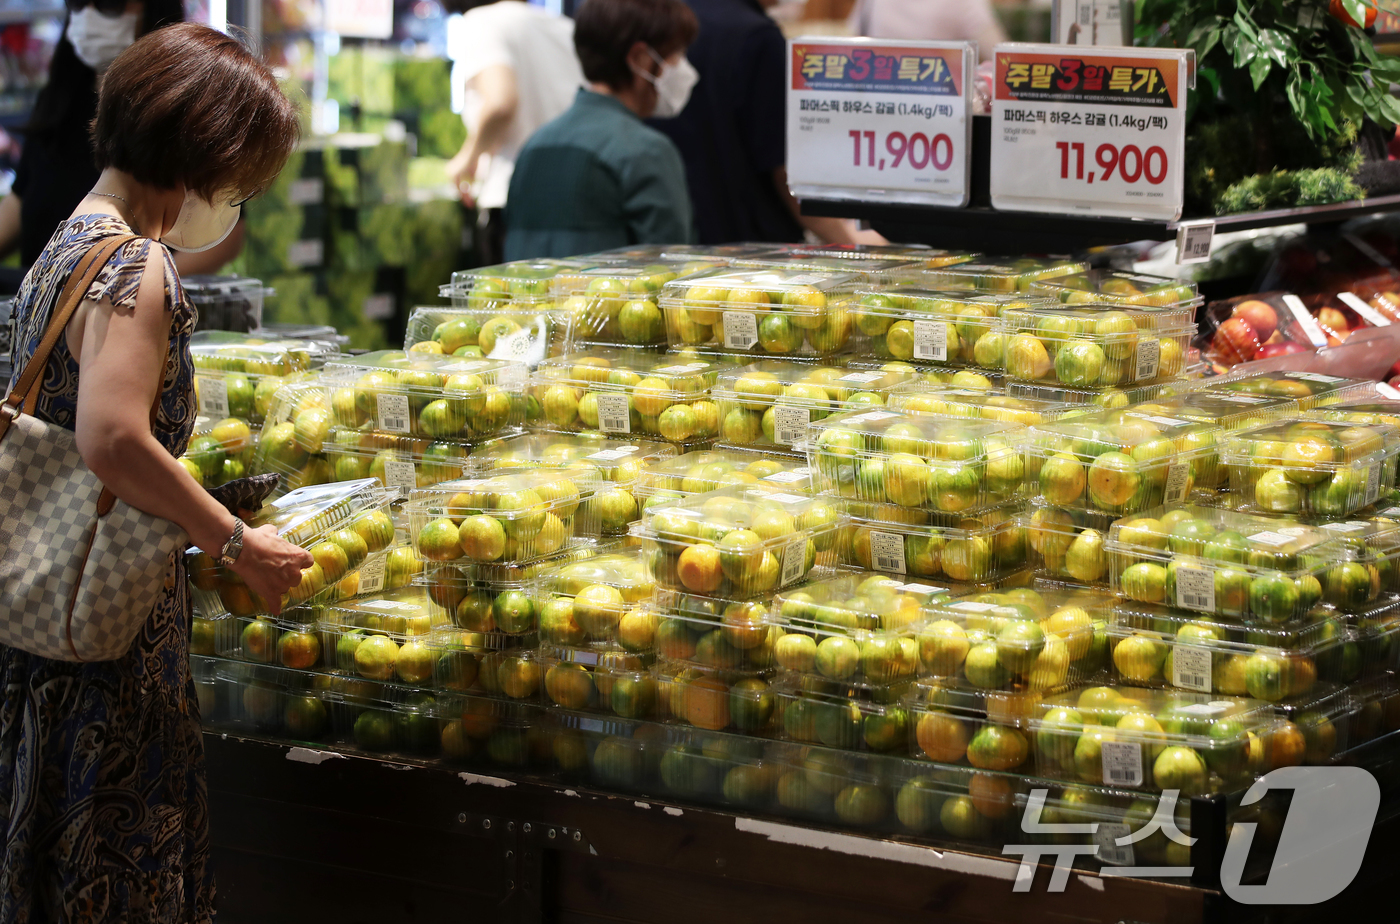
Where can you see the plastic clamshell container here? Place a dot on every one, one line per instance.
(523, 332)
(1125, 290)
(923, 397)
(342, 524)
(957, 328)
(615, 304)
(770, 403)
(1102, 398)
(1152, 739)
(254, 354)
(1096, 347)
(1361, 411)
(1318, 468)
(1120, 462)
(222, 394)
(834, 715)
(1018, 641)
(997, 275)
(714, 633)
(1159, 646)
(1320, 720)
(420, 394)
(1375, 706)
(974, 549)
(1065, 545)
(623, 393)
(407, 462)
(681, 258)
(1308, 389)
(321, 333)
(231, 303)
(494, 599)
(717, 700)
(296, 427)
(1227, 411)
(704, 470)
(918, 462)
(860, 629)
(986, 729)
(519, 517)
(773, 312)
(1363, 566)
(927, 257)
(872, 269)
(932, 373)
(738, 541)
(608, 680)
(1220, 562)
(267, 700)
(504, 286)
(598, 601)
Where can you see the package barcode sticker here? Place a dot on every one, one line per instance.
(871, 417)
(612, 455)
(393, 413)
(790, 424)
(1110, 851)
(1149, 354)
(805, 279)
(682, 369)
(213, 397)
(1313, 376)
(1368, 314)
(931, 340)
(614, 415)
(1122, 763)
(887, 552)
(1351, 526)
(372, 575)
(784, 498)
(917, 588)
(794, 561)
(972, 606)
(1214, 707)
(391, 605)
(1191, 668)
(1305, 320)
(790, 477)
(1178, 480)
(1373, 483)
(865, 378)
(740, 330)
(1195, 589)
(400, 474)
(1242, 399)
(1269, 537)
(1164, 421)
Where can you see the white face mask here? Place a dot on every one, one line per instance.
(200, 225)
(673, 85)
(97, 38)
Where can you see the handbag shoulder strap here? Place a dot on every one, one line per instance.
(27, 387)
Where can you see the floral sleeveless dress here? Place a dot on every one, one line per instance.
(102, 792)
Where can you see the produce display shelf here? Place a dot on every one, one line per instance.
(293, 831)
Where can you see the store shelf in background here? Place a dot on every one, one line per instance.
(981, 227)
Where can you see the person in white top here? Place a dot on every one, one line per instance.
(520, 71)
(936, 20)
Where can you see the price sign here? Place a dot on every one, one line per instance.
(873, 120)
(1094, 131)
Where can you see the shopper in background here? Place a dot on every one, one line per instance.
(56, 168)
(520, 71)
(733, 134)
(935, 20)
(597, 177)
(103, 802)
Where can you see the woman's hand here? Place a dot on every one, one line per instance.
(270, 565)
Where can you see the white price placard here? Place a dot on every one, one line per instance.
(879, 121)
(1099, 131)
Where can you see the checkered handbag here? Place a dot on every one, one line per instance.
(80, 570)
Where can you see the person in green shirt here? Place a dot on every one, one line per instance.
(598, 177)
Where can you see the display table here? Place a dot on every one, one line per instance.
(319, 835)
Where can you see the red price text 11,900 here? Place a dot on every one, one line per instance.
(921, 150)
(1131, 162)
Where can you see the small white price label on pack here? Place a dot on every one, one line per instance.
(1149, 355)
(790, 423)
(372, 575)
(614, 416)
(1178, 480)
(794, 561)
(1195, 589)
(1122, 763)
(887, 552)
(399, 473)
(879, 121)
(931, 340)
(393, 413)
(1097, 131)
(213, 397)
(1191, 669)
(740, 330)
(1110, 851)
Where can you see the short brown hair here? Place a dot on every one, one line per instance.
(189, 104)
(606, 30)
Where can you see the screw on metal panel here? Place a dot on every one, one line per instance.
(462, 818)
(578, 836)
(486, 823)
(510, 854)
(526, 829)
(510, 826)
(510, 885)
(552, 833)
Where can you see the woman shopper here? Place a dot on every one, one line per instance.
(55, 169)
(597, 177)
(102, 790)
